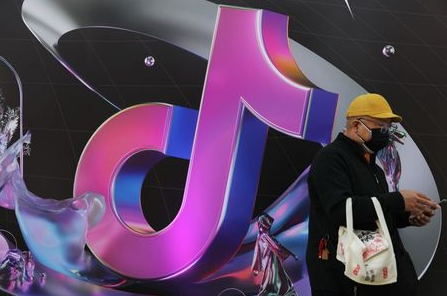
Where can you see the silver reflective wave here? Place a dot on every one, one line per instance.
(54, 230)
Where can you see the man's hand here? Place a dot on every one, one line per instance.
(422, 219)
(419, 221)
(416, 203)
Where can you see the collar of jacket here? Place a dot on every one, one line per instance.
(354, 147)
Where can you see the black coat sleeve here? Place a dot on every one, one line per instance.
(329, 178)
(403, 219)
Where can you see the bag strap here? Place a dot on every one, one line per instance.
(382, 222)
(349, 223)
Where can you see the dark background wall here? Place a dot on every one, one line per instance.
(62, 114)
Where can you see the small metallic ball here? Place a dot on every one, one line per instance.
(149, 61)
(388, 51)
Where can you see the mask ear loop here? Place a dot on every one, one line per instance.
(11, 235)
(363, 140)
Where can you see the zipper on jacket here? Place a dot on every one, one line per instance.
(371, 169)
(378, 185)
(355, 290)
(377, 179)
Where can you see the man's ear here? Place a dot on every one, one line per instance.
(354, 123)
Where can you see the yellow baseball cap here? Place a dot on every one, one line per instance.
(373, 105)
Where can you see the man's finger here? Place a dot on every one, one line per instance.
(419, 194)
(420, 207)
(428, 203)
(423, 219)
(416, 213)
(429, 213)
(417, 222)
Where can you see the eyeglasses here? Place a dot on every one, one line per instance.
(384, 128)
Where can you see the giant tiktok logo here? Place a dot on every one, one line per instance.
(252, 84)
(224, 142)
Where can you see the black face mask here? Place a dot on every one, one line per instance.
(378, 141)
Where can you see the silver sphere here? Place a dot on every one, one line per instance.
(388, 51)
(149, 61)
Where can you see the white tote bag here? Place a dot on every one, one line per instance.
(368, 255)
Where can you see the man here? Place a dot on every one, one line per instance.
(346, 168)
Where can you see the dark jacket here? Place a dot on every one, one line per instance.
(339, 171)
